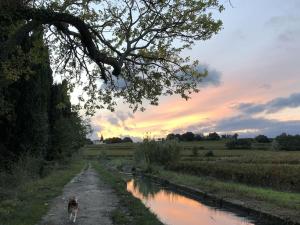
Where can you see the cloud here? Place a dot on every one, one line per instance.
(123, 115)
(287, 27)
(253, 126)
(245, 126)
(280, 21)
(273, 106)
(119, 117)
(96, 129)
(265, 86)
(212, 79)
(289, 35)
(113, 120)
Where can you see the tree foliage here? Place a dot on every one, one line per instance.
(36, 117)
(287, 142)
(262, 139)
(133, 47)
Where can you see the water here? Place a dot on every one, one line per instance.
(175, 209)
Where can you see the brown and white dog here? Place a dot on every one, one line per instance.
(73, 208)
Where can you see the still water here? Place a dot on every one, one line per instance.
(175, 209)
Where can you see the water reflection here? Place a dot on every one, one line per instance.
(176, 209)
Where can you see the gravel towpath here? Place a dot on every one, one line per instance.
(96, 201)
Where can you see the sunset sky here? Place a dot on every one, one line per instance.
(253, 85)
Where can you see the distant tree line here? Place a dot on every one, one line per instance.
(115, 140)
(36, 115)
(286, 142)
(283, 142)
(190, 136)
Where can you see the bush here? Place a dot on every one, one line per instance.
(161, 153)
(239, 144)
(262, 139)
(287, 142)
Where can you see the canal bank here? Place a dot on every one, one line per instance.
(253, 209)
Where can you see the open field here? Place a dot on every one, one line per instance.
(276, 169)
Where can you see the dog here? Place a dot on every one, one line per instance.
(73, 208)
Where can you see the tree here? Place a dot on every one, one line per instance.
(188, 136)
(287, 142)
(37, 117)
(178, 137)
(235, 136)
(213, 136)
(171, 137)
(113, 140)
(198, 137)
(129, 45)
(262, 139)
(127, 140)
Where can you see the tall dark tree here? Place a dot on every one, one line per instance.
(188, 136)
(213, 136)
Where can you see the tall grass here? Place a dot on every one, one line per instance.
(160, 153)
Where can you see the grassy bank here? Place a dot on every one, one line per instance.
(31, 201)
(130, 210)
(284, 204)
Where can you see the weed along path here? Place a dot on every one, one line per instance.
(96, 201)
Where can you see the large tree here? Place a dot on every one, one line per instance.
(134, 47)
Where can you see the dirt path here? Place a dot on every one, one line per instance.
(96, 201)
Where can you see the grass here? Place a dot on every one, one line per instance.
(227, 189)
(32, 200)
(130, 210)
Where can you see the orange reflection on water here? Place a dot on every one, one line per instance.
(175, 209)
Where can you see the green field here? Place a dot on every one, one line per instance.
(259, 166)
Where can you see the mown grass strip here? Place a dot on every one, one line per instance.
(32, 201)
(135, 212)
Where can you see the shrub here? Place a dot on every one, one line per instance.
(239, 144)
(161, 153)
(287, 142)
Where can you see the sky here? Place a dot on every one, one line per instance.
(253, 86)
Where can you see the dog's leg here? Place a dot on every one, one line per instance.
(75, 215)
(70, 216)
